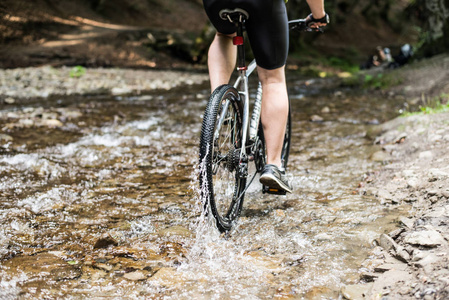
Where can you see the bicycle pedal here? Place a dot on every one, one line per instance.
(273, 191)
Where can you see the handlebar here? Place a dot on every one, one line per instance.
(302, 25)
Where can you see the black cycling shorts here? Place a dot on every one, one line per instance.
(267, 27)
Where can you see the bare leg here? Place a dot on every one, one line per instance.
(274, 111)
(221, 60)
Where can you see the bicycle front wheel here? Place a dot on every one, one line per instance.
(220, 146)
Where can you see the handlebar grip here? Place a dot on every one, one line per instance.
(301, 25)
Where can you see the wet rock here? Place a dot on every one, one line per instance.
(105, 241)
(293, 261)
(95, 274)
(285, 292)
(264, 262)
(176, 230)
(355, 291)
(167, 276)
(323, 237)
(135, 276)
(427, 238)
(172, 250)
(316, 292)
(43, 265)
(103, 267)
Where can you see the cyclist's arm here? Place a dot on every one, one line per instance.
(317, 8)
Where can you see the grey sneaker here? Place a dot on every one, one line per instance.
(274, 178)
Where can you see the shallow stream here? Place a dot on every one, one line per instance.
(98, 198)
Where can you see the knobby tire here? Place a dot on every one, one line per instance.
(220, 145)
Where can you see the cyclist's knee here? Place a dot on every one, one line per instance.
(223, 35)
(267, 76)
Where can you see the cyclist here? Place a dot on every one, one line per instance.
(267, 28)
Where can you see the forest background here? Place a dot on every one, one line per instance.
(176, 34)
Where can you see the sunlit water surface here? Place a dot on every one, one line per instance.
(107, 205)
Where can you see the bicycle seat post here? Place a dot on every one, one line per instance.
(239, 42)
(237, 17)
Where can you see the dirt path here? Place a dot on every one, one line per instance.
(115, 34)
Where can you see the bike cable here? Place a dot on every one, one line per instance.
(247, 186)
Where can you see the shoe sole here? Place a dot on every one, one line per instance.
(272, 182)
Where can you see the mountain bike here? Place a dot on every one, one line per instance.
(231, 138)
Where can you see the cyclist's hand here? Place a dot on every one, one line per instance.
(317, 23)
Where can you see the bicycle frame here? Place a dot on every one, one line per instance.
(249, 127)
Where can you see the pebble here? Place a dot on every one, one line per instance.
(52, 123)
(356, 291)
(437, 174)
(406, 222)
(425, 155)
(325, 110)
(380, 156)
(10, 100)
(316, 118)
(105, 241)
(6, 138)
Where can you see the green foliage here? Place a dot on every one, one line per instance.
(77, 71)
(310, 71)
(435, 106)
(342, 64)
(372, 81)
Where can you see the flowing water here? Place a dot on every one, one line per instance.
(105, 202)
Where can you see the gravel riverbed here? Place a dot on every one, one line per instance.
(410, 262)
(47, 81)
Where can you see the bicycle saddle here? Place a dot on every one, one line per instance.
(233, 15)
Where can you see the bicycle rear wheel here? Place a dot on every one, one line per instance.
(220, 146)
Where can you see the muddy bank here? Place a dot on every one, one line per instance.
(411, 262)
